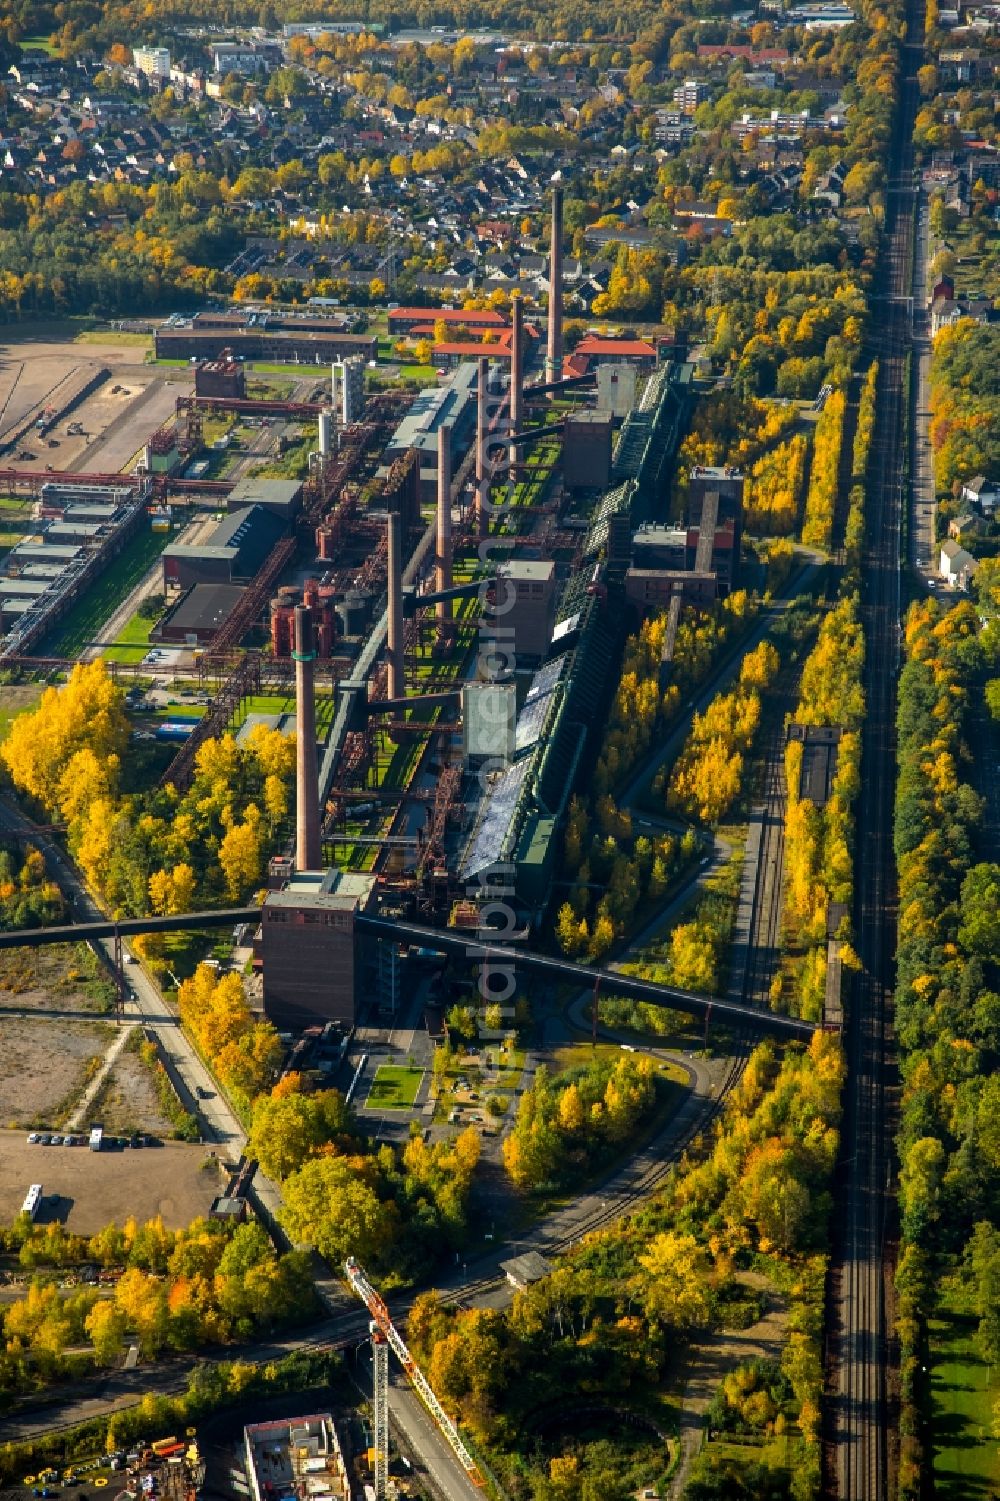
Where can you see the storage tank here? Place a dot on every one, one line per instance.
(282, 627)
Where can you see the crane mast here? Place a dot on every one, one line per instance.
(380, 1392)
(382, 1319)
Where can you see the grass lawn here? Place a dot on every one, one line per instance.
(394, 1087)
(88, 616)
(276, 703)
(115, 336)
(966, 1458)
(15, 700)
(132, 642)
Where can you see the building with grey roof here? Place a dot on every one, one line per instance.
(235, 550)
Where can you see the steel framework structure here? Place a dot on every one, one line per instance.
(383, 1321)
(380, 1404)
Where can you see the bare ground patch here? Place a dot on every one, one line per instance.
(44, 1065)
(86, 1190)
(129, 1100)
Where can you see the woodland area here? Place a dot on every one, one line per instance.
(947, 1000)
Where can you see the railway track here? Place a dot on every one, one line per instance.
(859, 1428)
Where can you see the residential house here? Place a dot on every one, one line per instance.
(956, 565)
(981, 492)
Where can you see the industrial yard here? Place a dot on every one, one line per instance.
(198, 521)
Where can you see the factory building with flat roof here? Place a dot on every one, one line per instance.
(235, 550)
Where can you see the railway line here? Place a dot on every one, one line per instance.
(859, 1430)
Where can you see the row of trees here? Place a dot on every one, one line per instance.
(854, 530)
(947, 1000)
(174, 1290)
(774, 488)
(708, 774)
(243, 1051)
(965, 402)
(821, 497)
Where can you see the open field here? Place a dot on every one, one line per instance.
(33, 364)
(125, 429)
(44, 1065)
(116, 337)
(86, 1190)
(87, 617)
(966, 1457)
(132, 639)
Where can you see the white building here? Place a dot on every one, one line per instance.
(957, 566)
(153, 61)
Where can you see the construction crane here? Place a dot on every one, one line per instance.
(380, 1394)
(382, 1320)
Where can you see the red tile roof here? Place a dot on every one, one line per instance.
(627, 348)
(487, 318)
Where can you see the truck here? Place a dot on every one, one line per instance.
(96, 1138)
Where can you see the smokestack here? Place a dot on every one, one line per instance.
(308, 855)
(444, 554)
(394, 653)
(554, 357)
(516, 377)
(482, 483)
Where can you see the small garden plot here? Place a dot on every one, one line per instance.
(394, 1087)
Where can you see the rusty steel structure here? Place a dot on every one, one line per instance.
(32, 480)
(446, 798)
(246, 406)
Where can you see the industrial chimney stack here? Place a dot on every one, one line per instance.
(444, 546)
(516, 377)
(308, 855)
(394, 652)
(554, 356)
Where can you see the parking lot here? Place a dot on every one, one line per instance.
(86, 1190)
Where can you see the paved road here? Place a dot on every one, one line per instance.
(923, 549)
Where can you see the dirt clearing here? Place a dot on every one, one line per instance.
(129, 1100)
(44, 1066)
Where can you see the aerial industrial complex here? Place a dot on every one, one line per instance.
(471, 552)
